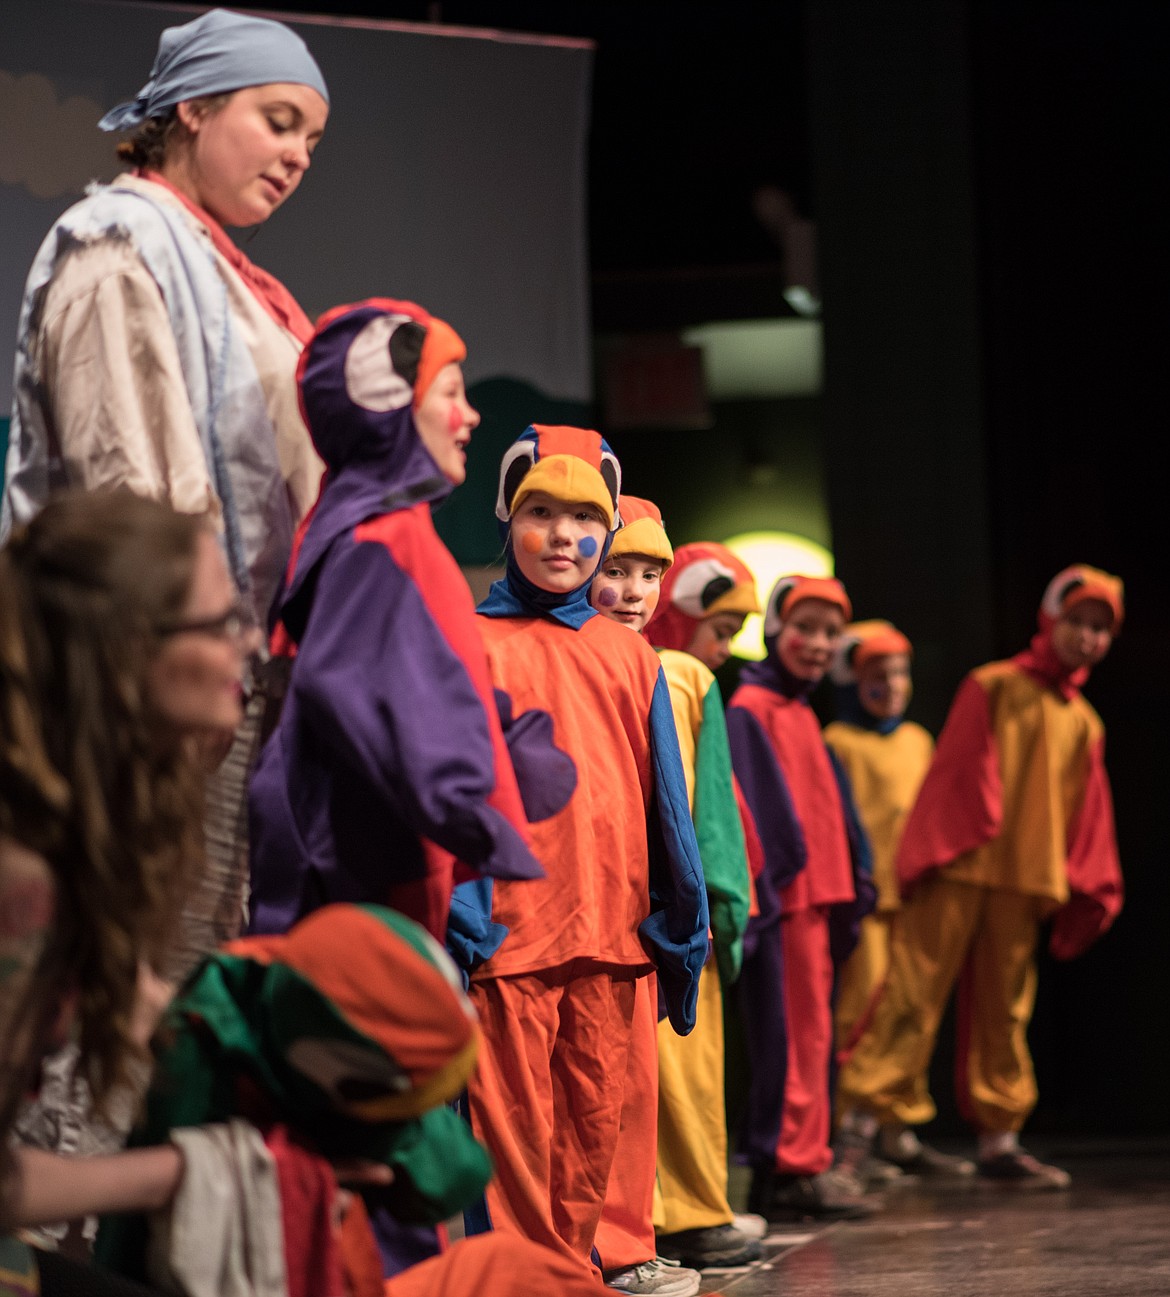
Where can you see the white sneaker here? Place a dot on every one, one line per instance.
(660, 1277)
(750, 1224)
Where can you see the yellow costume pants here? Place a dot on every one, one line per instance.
(984, 939)
(691, 1191)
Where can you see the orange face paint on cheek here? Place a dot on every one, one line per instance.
(531, 543)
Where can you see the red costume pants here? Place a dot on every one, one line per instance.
(803, 1147)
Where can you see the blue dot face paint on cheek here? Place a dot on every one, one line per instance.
(587, 546)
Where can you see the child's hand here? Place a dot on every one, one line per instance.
(360, 1171)
(356, 1171)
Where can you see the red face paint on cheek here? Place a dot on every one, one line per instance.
(790, 648)
(531, 543)
(454, 420)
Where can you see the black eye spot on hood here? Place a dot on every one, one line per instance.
(716, 588)
(516, 472)
(406, 344)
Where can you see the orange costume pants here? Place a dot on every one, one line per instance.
(495, 1265)
(546, 1099)
(803, 1147)
(625, 1233)
(985, 940)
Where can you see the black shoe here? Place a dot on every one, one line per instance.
(716, 1245)
(1017, 1169)
(831, 1195)
(911, 1156)
(853, 1156)
(759, 1196)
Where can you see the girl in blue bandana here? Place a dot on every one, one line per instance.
(152, 354)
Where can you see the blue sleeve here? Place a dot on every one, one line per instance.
(766, 792)
(381, 689)
(675, 932)
(845, 919)
(472, 935)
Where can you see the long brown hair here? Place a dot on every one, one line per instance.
(90, 778)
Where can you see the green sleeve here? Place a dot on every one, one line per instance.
(720, 836)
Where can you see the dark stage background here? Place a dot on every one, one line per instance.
(987, 186)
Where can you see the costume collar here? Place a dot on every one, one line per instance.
(772, 674)
(1039, 661)
(516, 596)
(850, 709)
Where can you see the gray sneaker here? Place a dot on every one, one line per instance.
(660, 1277)
(750, 1224)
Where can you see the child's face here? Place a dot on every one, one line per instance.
(711, 642)
(445, 422)
(626, 589)
(557, 542)
(807, 638)
(883, 685)
(1083, 636)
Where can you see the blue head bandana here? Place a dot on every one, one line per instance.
(218, 52)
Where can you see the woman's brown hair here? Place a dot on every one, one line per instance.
(90, 777)
(157, 136)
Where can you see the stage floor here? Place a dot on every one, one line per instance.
(1106, 1236)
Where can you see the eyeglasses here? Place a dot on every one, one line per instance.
(229, 625)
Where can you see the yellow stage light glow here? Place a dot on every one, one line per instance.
(769, 555)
